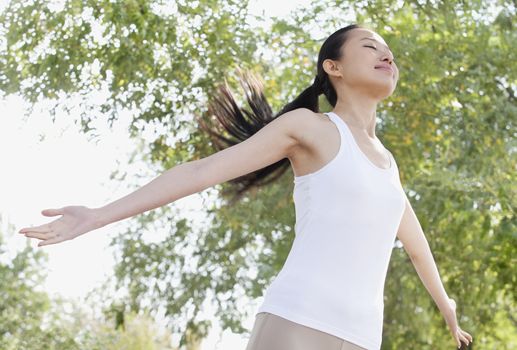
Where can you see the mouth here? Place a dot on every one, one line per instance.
(390, 70)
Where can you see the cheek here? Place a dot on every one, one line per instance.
(360, 70)
(360, 67)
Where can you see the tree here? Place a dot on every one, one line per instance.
(29, 319)
(22, 304)
(449, 125)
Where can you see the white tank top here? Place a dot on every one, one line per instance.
(347, 216)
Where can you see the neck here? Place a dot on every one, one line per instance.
(358, 111)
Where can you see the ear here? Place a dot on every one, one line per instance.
(331, 68)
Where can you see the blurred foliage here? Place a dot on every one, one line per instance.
(450, 124)
(31, 320)
(22, 305)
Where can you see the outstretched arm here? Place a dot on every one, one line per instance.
(415, 244)
(270, 144)
(273, 142)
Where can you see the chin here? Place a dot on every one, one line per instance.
(378, 87)
(382, 91)
(385, 96)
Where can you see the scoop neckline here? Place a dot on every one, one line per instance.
(361, 152)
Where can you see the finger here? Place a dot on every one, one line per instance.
(50, 241)
(457, 338)
(52, 212)
(464, 340)
(467, 336)
(38, 235)
(41, 229)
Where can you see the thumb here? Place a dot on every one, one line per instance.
(52, 212)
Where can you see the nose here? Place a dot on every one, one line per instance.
(387, 56)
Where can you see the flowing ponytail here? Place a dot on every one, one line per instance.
(242, 123)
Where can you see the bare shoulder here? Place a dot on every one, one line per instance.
(299, 115)
(302, 124)
(283, 137)
(316, 141)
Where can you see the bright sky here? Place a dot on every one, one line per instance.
(51, 165)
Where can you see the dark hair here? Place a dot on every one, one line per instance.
(231, 117)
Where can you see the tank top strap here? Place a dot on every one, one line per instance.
(342, 131)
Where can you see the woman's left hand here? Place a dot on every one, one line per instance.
(458, 334)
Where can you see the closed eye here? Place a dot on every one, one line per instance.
(373, 47)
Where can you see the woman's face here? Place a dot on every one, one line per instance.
(361, 54)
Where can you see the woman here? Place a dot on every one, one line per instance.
(349, 202)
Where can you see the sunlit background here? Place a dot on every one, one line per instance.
(50, 164)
